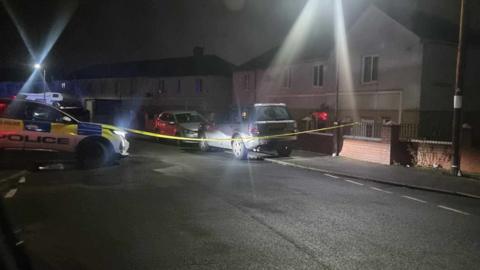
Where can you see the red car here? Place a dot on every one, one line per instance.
(178, 123)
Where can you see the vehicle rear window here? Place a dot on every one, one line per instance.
(188, 118)
(271, 113)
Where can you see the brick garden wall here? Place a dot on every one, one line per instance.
(366, 150)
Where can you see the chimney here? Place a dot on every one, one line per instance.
(198, 51)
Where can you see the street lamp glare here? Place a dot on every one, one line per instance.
(37, 66)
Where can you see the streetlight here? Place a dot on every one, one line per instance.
(38, 66)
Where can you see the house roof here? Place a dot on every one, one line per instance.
(317, 46)
(168, 67)
(425, 26)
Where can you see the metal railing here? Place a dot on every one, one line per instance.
(367, 130)
(413, 131)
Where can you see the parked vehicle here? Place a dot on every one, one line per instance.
(48, 97)
(64, 102)
(255, 121)
(178, 123)
(37, 127)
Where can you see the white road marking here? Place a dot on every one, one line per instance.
(353, 182)
(453, 210)
(381, 190)
(10, 193)
(22, 180)
(414, 199)
(329, 175)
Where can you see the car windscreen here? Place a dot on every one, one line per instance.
(271, 113)
(188, 118)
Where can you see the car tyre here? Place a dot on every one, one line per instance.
(238, 148)
(284, 151)
(93, 154)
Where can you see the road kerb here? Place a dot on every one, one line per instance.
(382, 181)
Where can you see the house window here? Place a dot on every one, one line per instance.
(287, 78)
(179, 86)
(246, 81)
(367, 127)
(198, 85)
(318, 75)
(161, 87)
(370, 69)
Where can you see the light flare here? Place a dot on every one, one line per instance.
(342, 58)
(40, 54)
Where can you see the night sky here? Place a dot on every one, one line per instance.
(105, 31)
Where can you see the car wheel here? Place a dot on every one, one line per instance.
(92, 154)
(239, 149)
(203, 145)
(284, 151)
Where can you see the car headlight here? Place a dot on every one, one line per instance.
(120, 133)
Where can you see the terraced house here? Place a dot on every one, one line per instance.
(402, 70)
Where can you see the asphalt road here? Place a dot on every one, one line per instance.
(175, 208)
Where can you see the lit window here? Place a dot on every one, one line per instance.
(318, 75)
(370, 69)
(287, 78)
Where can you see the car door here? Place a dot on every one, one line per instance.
(48, 128)
(166, 124)
(11, 124)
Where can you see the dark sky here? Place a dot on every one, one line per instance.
(104, 31)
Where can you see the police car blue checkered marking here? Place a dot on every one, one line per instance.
(89, 129)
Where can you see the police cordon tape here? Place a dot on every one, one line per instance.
(178, 138)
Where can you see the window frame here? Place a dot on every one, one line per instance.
(199, 86)
(322, 66)
(161, 86)
(372, 58)
(246, 81)
(179, 86)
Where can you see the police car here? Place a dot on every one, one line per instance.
(32, 126)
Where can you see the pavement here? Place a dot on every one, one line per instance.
(168, 207)
(419, 178)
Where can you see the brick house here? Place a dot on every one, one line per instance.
(402, 70)
(198, 82)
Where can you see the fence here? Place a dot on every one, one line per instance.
(409, 131)
(367, 130)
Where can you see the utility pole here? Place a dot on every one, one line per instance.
(336, 139)
(336, 134)
(457, 98)
(45, 85)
